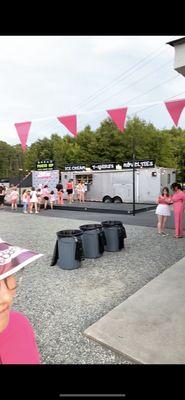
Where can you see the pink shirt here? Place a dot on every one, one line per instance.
(17, 342)
(178, 200)
(164, 199)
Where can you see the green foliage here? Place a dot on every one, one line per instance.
(107, 143)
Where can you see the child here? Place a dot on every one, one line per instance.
(25, 201)
(14, 198)
(33, 200)
(28, 200)
(39, 197)
(45, 194)
(52, 199)
(163, 210)
(60, 192)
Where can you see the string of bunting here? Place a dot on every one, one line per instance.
(118, 116)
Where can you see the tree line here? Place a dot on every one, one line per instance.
(105, 144)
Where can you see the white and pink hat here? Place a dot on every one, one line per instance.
(13, 258)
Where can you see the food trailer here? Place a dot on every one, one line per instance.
(108, 182)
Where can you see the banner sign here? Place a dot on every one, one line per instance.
(175, 109)
(23, 131)
(103, 167)
(118, 116)
(75, 167)
(139, 164)
(46, 165)
(70, 122)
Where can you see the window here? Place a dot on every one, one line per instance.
(168, 179)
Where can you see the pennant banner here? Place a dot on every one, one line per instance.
(118, 116)
(70, 122)
(175, 109)
(23, 130)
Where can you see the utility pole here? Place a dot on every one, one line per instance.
(20, 177)
(133, 161)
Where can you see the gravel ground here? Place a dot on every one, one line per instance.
(61, 304)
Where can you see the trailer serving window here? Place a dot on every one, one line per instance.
(86, 178)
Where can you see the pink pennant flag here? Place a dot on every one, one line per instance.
(118, 116)
(175, 109)
(70, 122)
(23, 130)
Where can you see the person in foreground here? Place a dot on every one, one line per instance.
(163, 210)
(178, 200)
(17, 339)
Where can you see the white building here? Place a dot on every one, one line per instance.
(179, 64)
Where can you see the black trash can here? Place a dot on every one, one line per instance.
(68, 251)
(93, 240)
(115, 234)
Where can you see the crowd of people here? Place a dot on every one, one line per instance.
(33, 199)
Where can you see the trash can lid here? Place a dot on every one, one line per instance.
(90, 227)
(69, 233)
(111, 223)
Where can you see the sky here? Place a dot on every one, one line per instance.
(42, 77)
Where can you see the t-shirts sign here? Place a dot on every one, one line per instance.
(103, 166)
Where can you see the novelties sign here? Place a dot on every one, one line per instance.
(103, 166)
(139, 164)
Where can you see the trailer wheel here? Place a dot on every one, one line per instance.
(117, 199)
(107, 199)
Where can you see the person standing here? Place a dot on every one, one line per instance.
(178, 200)
(163, 210)
(45, 194)
(2, 196)
(70, 190)
(25, 201)
(52, 199)
(33, 200)
(77, 190)
(28, 200)
(81, 191)
(14, 198)
(59, 188)
(39, 197)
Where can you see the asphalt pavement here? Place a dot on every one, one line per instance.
(146, 218)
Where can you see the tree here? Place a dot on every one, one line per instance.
(105, 144)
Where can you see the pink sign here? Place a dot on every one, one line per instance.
(175, 109)
(70, 122)
(23, 130)
(118, 116)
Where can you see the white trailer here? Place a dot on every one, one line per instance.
(117, 185)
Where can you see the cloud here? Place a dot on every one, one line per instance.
(43, 76)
